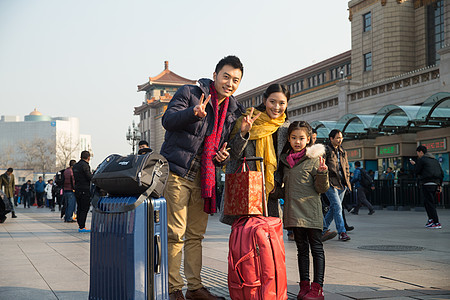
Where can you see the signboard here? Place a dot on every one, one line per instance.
(388, 150)
(435, 145)
(354, 154)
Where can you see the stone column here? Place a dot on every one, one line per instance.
(444, 68)
(342, 97)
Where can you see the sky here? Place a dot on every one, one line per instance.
(85, 59)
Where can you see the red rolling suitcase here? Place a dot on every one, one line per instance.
(256, 257)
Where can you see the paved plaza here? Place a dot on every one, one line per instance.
(391, 256)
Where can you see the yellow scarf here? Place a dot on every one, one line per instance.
(262, 131)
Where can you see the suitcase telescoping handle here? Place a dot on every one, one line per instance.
(264, 200)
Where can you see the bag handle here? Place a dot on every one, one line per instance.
(155, 178)
(264, 200)
(243, 169)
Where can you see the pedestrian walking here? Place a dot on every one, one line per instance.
(198, 122)
(430, 175)
(83, 175)
(339, 177)
(39, 188)
(69, 193)
(8, 184)
(49, 194)
(362, 183)
(305, 177)
(26, 193)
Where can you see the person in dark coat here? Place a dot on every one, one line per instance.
(198, 122)
(339, 175)
(144, 148)
(83, 175)
(26, 192)
(430, 175)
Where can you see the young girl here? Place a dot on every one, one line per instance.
(305, 177)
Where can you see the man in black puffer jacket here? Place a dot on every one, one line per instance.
(198, 122)
(430, 175)
(83, 175)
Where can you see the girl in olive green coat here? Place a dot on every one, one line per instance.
(305, 176)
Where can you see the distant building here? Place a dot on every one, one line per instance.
(58, 138)
(159, 90)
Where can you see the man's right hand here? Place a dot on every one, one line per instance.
(200, 109)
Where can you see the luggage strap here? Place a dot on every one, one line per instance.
(121, 209)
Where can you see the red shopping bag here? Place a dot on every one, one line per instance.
(243, 193)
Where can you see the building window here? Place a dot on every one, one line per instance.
(368, 61)
(367, 22)
(435, 30)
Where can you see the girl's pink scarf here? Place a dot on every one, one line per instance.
(294, 157)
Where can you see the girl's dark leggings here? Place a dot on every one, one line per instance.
(306, 238)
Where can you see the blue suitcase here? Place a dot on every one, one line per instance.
(129, 249)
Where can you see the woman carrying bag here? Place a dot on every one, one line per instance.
(264, 136)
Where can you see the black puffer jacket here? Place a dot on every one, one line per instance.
(429, 170)
(82, 175)
(186, 132)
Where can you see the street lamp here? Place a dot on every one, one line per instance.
(133, 136)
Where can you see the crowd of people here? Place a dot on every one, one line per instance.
(69, 189)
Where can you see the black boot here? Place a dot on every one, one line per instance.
(13, 215)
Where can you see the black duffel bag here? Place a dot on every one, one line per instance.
(132, 175)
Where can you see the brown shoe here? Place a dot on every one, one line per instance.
(176, 295)
(202, 294)
(328, 235)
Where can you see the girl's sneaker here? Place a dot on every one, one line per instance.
(429, 223)
(435, 225)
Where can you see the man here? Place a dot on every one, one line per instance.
(8, 183)
(83, 175)
(389, 174)
(430, 175)
(198, 121)
(361, 190)
(39, 187)
(26, 192)
(339, 176)
(144, 148)
(69, 200)
(313, 136)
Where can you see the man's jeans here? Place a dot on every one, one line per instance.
(335, 197)
(69, 198)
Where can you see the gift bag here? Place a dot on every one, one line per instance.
(244, 192)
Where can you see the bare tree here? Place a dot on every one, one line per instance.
(38, 154)
(66, 149)
(7, 157)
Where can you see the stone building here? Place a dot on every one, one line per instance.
(158, 92)
(389, 93)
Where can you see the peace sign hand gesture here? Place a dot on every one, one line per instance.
(200, 109)
(247, 122)
(322, 166)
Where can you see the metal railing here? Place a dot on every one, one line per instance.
(404, 194)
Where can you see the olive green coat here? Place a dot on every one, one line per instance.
(303, 185)
(9, 184)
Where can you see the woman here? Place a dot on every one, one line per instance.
(262, 134)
